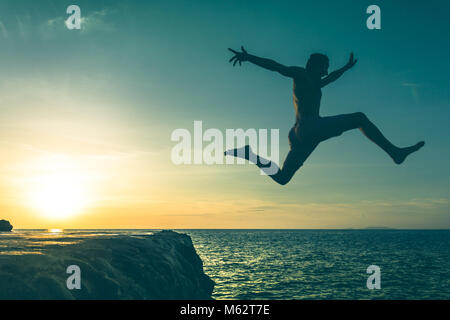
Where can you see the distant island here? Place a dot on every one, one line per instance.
(380, 228)
(5, 225)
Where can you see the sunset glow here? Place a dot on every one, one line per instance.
(59, 196)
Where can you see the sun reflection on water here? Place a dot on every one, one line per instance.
(55, 230)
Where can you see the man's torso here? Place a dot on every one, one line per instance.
(307, 96)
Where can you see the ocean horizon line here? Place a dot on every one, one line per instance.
(245, 229)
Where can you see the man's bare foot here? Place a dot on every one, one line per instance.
(404, 152)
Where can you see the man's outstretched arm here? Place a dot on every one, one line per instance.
(268, 64)
(333, 76)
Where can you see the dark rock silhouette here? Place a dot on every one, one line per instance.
(5, 225)
(161, 266)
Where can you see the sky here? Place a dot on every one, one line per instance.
(86, 116)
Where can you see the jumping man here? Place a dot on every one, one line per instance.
(310, 128)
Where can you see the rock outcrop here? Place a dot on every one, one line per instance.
(164, 265)
(5, 225)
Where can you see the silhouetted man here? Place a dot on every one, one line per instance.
(310, 128)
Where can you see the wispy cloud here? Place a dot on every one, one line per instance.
(3, 30)
(99, 21)
(27, 26)
(254, 213)
(90, 21)
(414, 89)
(410, 84)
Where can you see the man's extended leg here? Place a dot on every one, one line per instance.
(294, 160)
(336, 125)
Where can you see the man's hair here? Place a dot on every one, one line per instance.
(315, 60)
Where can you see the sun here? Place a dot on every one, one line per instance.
(59, 196)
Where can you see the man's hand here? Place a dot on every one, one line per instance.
(351, 62)
(238, 56)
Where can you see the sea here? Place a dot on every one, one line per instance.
(295, 264)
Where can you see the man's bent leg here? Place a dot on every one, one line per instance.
(294, 160)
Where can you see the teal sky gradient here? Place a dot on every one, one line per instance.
(140, 69)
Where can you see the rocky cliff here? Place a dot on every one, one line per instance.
(164, 265)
